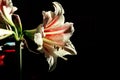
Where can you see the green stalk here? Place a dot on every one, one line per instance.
(20, 60)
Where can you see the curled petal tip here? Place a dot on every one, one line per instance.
(58, 8)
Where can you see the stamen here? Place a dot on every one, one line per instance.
(56, 47)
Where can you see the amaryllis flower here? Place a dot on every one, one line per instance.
(6, 11)
(9, 23)
(53, 36)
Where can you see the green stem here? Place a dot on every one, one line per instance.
(20, 60)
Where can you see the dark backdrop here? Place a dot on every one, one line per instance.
(83, 15)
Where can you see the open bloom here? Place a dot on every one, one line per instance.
(53, 36)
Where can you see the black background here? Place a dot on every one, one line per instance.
(81, 66)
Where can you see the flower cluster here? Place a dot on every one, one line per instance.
(9, 22)
(52, 36)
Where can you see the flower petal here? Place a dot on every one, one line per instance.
(52, 61)
(67, 27)
(47, 17)
(48, 49)
(60, 34)
(53, 53)
(38, 40)
(7, 14)
(58, 8)
(53, 19)
(5, 33)
(8, 4)
(69, 48)
(50, 56)
(6, 11)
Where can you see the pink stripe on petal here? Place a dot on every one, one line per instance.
(57, 38)
(51, 42)
(57, 29)
(48, 49)
(51, 23)
(66, 29)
